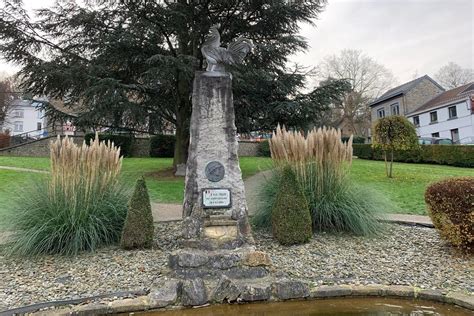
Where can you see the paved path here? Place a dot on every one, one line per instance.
(23, 169)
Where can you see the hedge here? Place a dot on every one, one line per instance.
(264, 149)
(162, 145)
(453, 155)
(122, 141)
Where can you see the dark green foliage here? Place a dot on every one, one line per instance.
(266, 199)
(452, 155)
(140, 76)
(138, 228)
(451, 208)
(264, 149)
(355, 139)
(122, 141)
(46, 224)
(291, 220)
(162, 145)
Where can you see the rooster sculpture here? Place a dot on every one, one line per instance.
(217, 57)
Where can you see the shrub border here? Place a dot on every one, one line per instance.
(142, 302)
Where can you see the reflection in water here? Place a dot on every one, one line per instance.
(329, 307)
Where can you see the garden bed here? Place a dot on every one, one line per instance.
(405, 255)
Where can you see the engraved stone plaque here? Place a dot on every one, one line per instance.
(215, 171)
(216, 198)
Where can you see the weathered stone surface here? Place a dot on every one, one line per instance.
(191, 227)
(226, 290)
(213, 138)
(234, 272)
(463, 300)
(164, 293)
(432, 295)
(256, 292)
(400, 291)
(368, 290)
(257, 258)
(221, 232)
(330, 291)
(289, 289)
(130, 305)
(89, 309)
(194, 292)
(224, 261)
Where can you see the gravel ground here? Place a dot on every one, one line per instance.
(405, 256)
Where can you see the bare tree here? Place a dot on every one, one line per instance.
(369, 80)
(452, 75)
(7, 95)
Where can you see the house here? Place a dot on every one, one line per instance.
(405, 98)
(25, 116)
(448, 115)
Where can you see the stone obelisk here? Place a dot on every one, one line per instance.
(214, 207)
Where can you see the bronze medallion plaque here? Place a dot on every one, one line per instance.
(215, 171)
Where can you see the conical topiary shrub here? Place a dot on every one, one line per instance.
(291, 218)
(138, 228)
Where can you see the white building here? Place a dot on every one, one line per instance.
(448, 115)
(25, 116)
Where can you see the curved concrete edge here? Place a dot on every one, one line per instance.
(145, 303)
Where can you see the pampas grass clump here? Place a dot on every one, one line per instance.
(80, 206)
(321, 162)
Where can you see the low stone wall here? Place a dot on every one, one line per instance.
(37, 148)
(140, 148)
(248, 148)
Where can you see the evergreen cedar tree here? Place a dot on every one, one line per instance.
(394, 133)
(138, 228)
(291, 218)
(451, 208)
(130, 64)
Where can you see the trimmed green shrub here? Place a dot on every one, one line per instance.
(392, 133)
(138, 228)
(451, 208)
(79, 206)
(355, 139)
(291, 219)
(264, 149)
(124, 142)
(453, 155)
(162, 146)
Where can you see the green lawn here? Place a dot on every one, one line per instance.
(405, 190)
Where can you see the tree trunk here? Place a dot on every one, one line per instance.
(386, 166)
(182, 140)
(391, 163)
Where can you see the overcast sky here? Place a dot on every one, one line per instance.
(407, 36)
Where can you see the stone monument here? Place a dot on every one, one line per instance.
(215, 210)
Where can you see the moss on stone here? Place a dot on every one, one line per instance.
(291, 218)
(138, 228)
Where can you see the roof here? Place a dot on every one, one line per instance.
(447, 97)
(402, 89)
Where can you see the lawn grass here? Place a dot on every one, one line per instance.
(405, 190)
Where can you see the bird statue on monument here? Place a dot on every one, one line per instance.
(217, 57)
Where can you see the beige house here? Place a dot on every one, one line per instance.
(405, 98)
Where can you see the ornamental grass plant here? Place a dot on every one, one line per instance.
(321, 162)
(79, 206)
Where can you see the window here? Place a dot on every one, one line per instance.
(38, 126)
(435, 135)
(18, 114)
(395, 108)
(434, 117)
(416, 121)
(381, 113)
(18, 126)
(455, 135)
(452, 112)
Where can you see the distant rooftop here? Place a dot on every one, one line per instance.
(402, 89)
(447, 97)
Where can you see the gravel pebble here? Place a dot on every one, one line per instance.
(404, 255)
